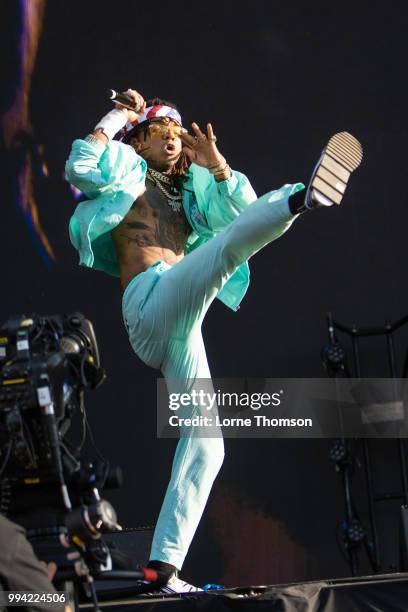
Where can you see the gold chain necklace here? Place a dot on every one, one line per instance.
(160, 176)
(174, 201)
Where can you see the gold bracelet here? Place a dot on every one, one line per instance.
(220, 167)
(226, 167)
(223, 175)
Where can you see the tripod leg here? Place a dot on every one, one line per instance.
(352, 547)
(72, 604)
(403, 539)
(370, 493)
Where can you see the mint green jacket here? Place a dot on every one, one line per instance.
(112, 176)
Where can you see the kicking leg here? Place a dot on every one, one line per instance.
(184, 292)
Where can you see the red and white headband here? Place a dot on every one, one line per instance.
(155, 112)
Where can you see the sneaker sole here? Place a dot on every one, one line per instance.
(342, 155)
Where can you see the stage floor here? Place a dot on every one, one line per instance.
(381, 593)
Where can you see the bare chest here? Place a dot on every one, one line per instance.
(153, 221)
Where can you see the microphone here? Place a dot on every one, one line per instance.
(123, 99)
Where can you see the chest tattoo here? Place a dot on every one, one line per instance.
(152, 222)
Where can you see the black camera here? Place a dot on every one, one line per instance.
(46, 363)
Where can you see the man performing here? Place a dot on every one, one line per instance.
(168, 216)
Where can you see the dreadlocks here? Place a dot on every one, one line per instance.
(180, 168)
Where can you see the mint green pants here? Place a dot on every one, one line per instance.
(163, 309)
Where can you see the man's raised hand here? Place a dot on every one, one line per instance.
(201, 148)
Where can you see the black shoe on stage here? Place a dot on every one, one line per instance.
(341, 156)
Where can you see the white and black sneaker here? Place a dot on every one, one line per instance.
(341, 156)
(177, 585)
(174, 585)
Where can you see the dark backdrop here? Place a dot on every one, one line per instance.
(276, 79)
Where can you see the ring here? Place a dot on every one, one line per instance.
(212, 139)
